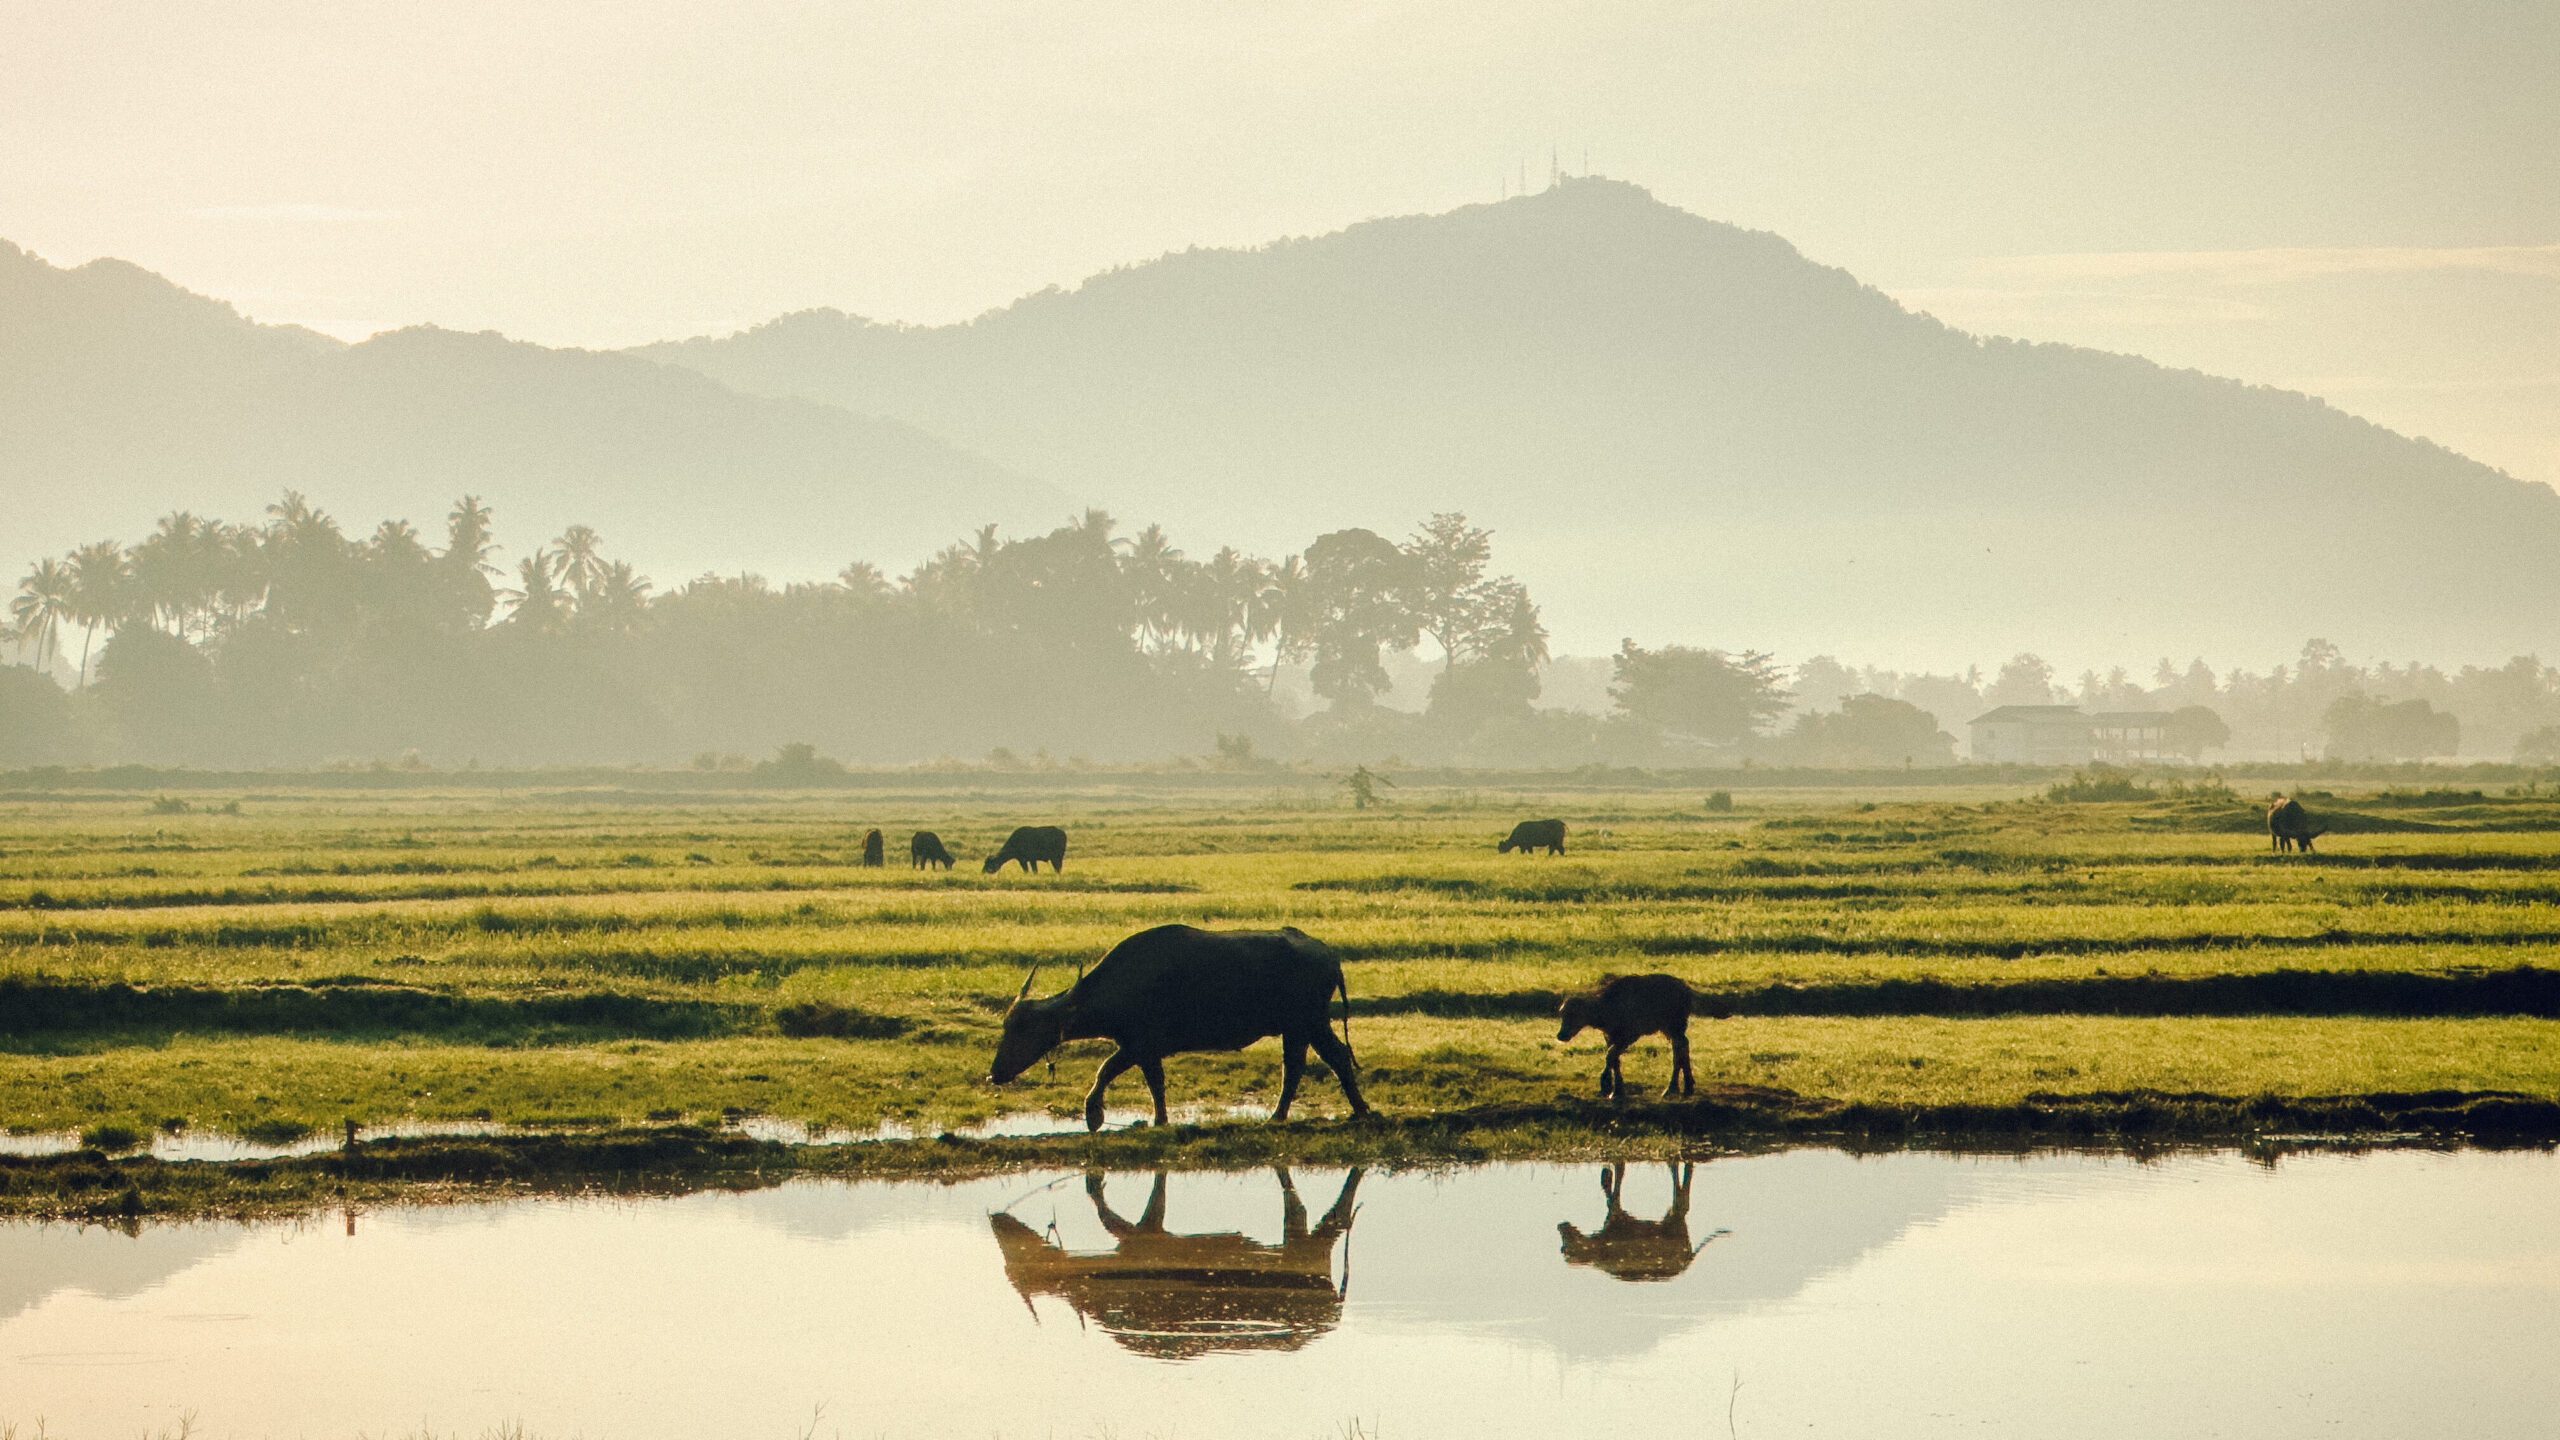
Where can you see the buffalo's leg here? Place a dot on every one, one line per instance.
(1293, 1211)
(1102, 1078)
(1338, 1219)
(1613, 1075)
(1293, 1066)
(1111, 1222)
(1152, 1218)
(1154, 1071)
(1337, 1056)
(1683, 1080)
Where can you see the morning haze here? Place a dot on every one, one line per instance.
(1704, 314)
(1858, 690)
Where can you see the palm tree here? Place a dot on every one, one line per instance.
(1154, 568)
(863, 579)
(1284, 609)
(581, 559)
(615, 600)
(98, 594)
(177, 571)
(41, 608)
(537, 602)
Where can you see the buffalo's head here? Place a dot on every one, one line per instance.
(1577, 1014)
(995, 863)
(1032, 1028)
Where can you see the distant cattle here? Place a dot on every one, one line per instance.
(1626, 1008)
(1176, 990)
(926, 850)
(2289, 826)
(1528, 835)
(1177, 1297)
(1031, 846)
(874, 851)
(1626, 1248)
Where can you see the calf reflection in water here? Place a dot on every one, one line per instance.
(1177, 1297)
(1632, 1249)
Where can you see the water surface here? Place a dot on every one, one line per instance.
(1809, 1292)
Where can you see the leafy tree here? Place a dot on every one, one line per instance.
(2536, 747)
(2194, 729)
(1868, 731)
(1355, 603)
(1708, 694)
(2362, 728)
(36, 720)
(2025, 680)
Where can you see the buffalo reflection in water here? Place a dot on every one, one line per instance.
(1632, 1249)
(1176, 1297)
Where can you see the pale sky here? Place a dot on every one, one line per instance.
(2359, 199)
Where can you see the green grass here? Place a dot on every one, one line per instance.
(605, 959)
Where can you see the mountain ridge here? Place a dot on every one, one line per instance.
(1621, 388)
(128, 396)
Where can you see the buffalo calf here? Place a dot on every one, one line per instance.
(874, 851)
(1627, 1008)
(926, 850)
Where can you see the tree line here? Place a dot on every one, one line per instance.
(292, 642)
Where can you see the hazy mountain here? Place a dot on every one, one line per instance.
(1684, 430)
(123, 397)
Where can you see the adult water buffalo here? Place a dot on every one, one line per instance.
(1176, 989)
(2289, 826)
(926, 850)
(1031, 846)
(874, 851)
(1528, 835)
(1630, 1249)
(1177, 1297)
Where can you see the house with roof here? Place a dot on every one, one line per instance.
(2032, 735)
(2131, 737)
(2065, 735)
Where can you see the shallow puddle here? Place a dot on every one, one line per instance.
(1808, 1292)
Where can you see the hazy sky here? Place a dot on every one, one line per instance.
(2358, 199)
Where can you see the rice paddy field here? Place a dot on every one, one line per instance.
(584, 959)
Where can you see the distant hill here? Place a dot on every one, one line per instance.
(1685, 430)
(123, 397)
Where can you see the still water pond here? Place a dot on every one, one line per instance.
(1809, 1292)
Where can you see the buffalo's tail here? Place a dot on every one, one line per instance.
(1342, 985)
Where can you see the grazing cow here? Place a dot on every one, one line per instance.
(1174, 990)
(2290, 826)
(1178, 1297)
(1528, 835)
(1627, 1008)
(926, 850)
(874, 851)
(1031, 845)
(1626, 1248)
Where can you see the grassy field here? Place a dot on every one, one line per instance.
(603, 958)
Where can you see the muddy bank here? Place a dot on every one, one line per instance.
(93, 1186)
